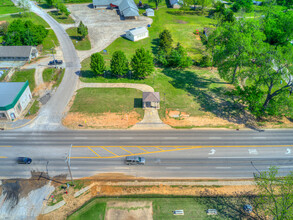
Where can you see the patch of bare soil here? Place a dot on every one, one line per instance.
(39, 90)
(177, 118)
(117, 210)
(106, 120)
(181, 22)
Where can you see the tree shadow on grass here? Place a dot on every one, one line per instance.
(214, 100)
(232, 207)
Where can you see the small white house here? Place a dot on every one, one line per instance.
(150, 12)
(138, 33)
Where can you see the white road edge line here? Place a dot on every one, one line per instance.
(223, 167)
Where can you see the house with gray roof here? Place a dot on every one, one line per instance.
(127, 8)
(14, 98)
(17, 53)
(151, 100)
(138, 33)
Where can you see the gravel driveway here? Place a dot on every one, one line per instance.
(104, 26)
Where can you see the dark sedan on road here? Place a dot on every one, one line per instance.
(24, 160)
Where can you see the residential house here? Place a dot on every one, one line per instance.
(17, 53)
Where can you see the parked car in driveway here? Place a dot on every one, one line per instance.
(55, 62)
(24, 160)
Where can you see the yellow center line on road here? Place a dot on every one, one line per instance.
(94, 152)
(192, 146)
(2, 157)
(109, 151)
(126, 150)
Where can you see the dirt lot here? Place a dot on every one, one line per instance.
(106, 120)
(117, 210)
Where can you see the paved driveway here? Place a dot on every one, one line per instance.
(104, 26)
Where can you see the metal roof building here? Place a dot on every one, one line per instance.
(138, 33)
(17, 53)
(14, 98)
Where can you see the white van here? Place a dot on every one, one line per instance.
(134, 160)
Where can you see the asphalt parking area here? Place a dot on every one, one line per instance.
(104, 25)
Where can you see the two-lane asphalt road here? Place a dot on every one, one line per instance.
(172, 153)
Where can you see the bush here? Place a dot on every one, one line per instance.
(206, 61)
(97, 64)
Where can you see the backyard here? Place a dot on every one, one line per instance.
(7, 7)
(23, 76)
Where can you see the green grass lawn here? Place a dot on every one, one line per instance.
(34, 108)
(100, 100)
(55, 75)
(194, 207)
(93, 210)
(7, 7)
(49, 42)
(23, 76)
(61, 18)
(78, 43)
(31, 16)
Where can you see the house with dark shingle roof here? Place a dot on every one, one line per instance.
(14, 98)
(151, 100)
(17, 53)
(127, 8)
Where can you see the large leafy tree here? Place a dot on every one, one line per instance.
(278, 27)
(246, 5)
(179, 58)
(286, 3)
(25, 33)
(204, 3)
(275, 194)
(233, 45)
(119, 64)
(97, 64)
(142, 63)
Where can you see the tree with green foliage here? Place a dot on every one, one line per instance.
(179, 58)
(222, 13)
(82, 30)
(286, 3)
(4, 28)
(233, 45)
(157, 2)
(62, 8)
(278, 27)
(275, 194)
(97, 63)
(50, 2)
(246, 5)
(119, 64)
(142, 63)
(190, 3)
(165, 41)
(204, 3)
(25, 33)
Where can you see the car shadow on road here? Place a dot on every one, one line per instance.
(212, 98)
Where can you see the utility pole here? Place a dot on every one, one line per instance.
(54, 57)
(68, 163)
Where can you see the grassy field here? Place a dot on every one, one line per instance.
(92, 210)
(32, 16)
(194, 90)
(100, 100)
(61, 18)
(7, 7)
(180, 26)
(49, 42)
(194, 208)
(23, 76)
(78, 43)
(55, 75)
